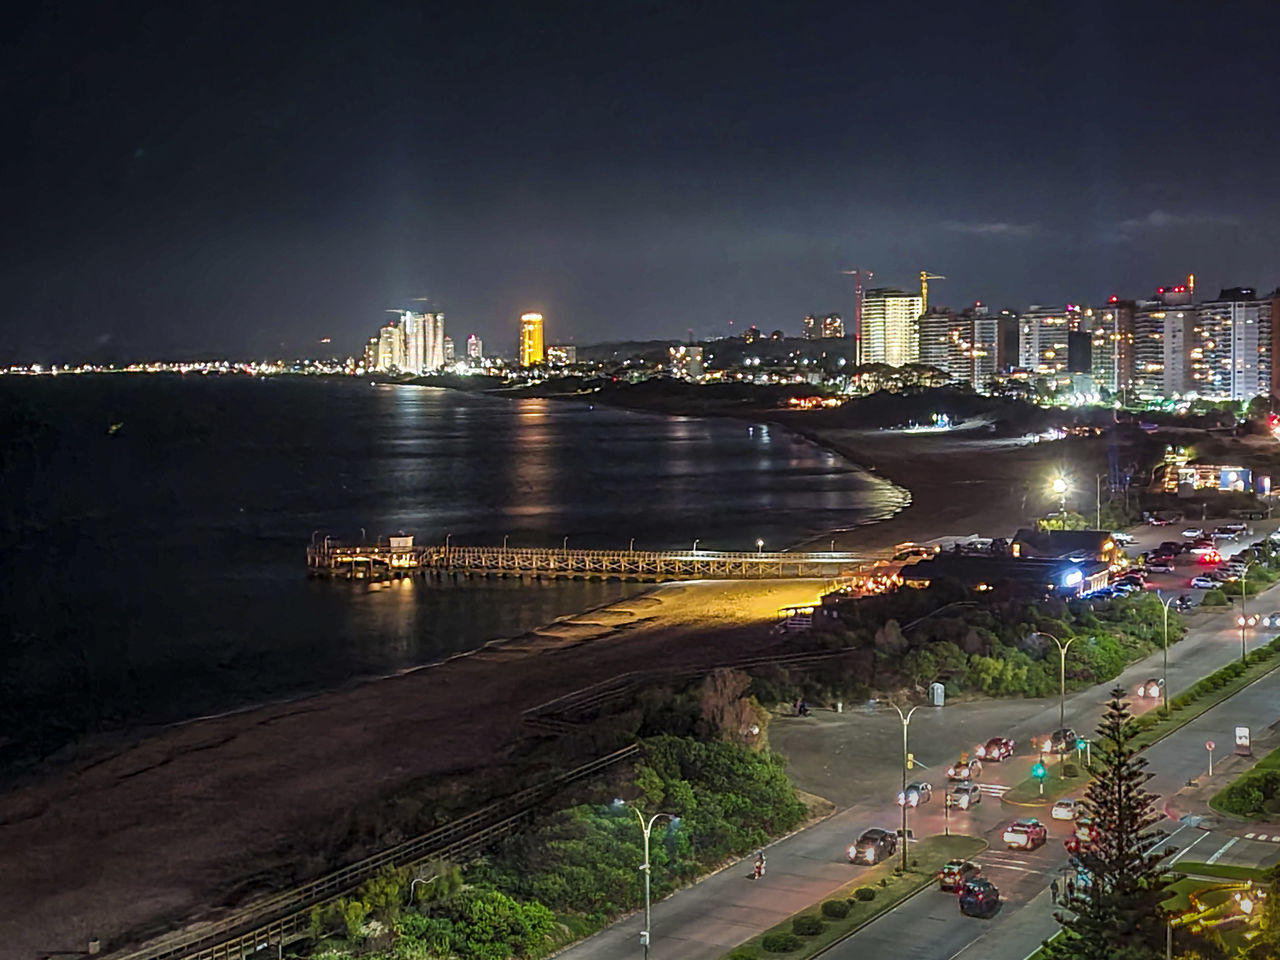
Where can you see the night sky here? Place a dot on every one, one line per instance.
(184, 180)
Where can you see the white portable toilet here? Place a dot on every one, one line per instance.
(937, 694)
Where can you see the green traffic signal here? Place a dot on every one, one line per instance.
(1038, 771)
(1080, 744)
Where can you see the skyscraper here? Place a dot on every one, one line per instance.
(415, 341)
(889, 326)
(1231, 346)
(448, 350)
(391, 348)
(832, 326)
(1043, 344)
(531, 351)
(475, 347)
(812, 329)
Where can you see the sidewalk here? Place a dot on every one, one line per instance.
(706, 920)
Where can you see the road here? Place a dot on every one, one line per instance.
(854, 758)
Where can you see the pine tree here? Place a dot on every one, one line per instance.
(1118, 916)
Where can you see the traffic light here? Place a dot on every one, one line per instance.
(1080, 743)
(1038, 771)
(911, 761)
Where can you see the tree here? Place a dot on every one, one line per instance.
(1267, 943)
(727, 714)
(1118, 916)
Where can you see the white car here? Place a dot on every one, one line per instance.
(1122, 538)
(1203, 583)
(964, 795)
(1065, 809)
(1193, 533)
(1153, 688)
(1158, 567)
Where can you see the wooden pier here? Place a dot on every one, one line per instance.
(400, 557)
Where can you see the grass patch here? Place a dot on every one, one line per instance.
(1255, 794)
(929, 854)
(1202, 696)
(1226, 871)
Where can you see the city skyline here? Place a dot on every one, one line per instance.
(671, 168)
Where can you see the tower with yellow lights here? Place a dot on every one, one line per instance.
(531, 351)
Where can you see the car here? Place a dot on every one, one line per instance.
(1102, 593)
(915, 794)
(979, 898)
(874, 846)
(1271, 619)
(956, 873)
(1122, 538)
(1222, 533)
(1200, 548)
(1124, 589)
(997, 748)
(1065, 809)
(1025, 834)
(1210, 558)
(1157, 521)
(1202, 583)
(1085, 835)
(1131, 580)
(1061, 741)
(966, 768)
(1223, 576)
(964, 795)
(1171, 547)
(1153, 688)
(1235, 526)
(1193, 533)
(1160, 565)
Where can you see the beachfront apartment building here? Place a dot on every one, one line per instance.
(1231, 343)
(890, 326)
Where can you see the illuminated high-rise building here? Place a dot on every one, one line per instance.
(812, 328)
(475, 348)
(889, 333)
(1231, 346)
(448, 350)
(562, 355)
(415, 341)
(531, 351)
(1044, 340)
(391, 348)
(832, 326)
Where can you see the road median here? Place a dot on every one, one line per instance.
(872, 893)
(1199, 698)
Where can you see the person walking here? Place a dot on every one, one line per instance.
(1053, 891)
(1071, 889)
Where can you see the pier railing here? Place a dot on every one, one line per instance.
(376, 560)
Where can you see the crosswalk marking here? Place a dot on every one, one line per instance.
(1250, 836)
(993, 789)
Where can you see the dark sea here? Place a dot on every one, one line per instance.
(156, 573)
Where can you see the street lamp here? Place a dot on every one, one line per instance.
(1060, 488)
(906, 722)
(504, 542)
(1164, 688)
(565, 545)
(631, 548)
(646, 828)
(695, 545)
(759, 545)
(447, 538)
(1062, 677)
(1243, 619)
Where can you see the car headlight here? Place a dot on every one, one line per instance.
(871, 855)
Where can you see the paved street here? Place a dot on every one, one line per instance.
(854, 758)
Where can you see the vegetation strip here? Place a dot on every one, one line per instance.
(861, 900)
(1201, 697)
(1255, 794)
(1226, 871)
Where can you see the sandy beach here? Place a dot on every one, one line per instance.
(123, 842)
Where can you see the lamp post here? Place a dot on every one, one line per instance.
(504, 542)
(447, 538)
(695, 545)
(1164, 689)
(565, 544)
(1062, 677)
(646, 828)
(1243, 619)
(631, 547)
(759, 546)
(1060, 488)
(906, 722)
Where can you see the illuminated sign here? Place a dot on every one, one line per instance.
(1072, 578)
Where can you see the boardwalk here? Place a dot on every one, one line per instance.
(400, 557)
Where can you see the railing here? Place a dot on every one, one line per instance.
(286, 916)
(330, 557)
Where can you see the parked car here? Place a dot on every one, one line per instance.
(1158, 521)
(1153, 688)
(1131, 580)
(1161, 565)
(1065, 809)
(997, 748)
(1222, 533)
(1122, 538)
(964, 795)
(956, 873)
(915, 794)
(1235, 526)
(1025, 834)
(979, 898)
(874, 846)
(1124, 589)
(965, 769)
(1201, 547)
(1271, 619)
(1224, 575)
(1193, 533)
(1170, 547)
(1202, 583)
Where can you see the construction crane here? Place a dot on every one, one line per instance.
(860, 276)
(925, 277)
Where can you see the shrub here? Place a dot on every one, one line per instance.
(1213, 598)
(780, 942)
(742, 955)
(1070, 770)
(865, 893)
(835, 909)
(807, 925)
